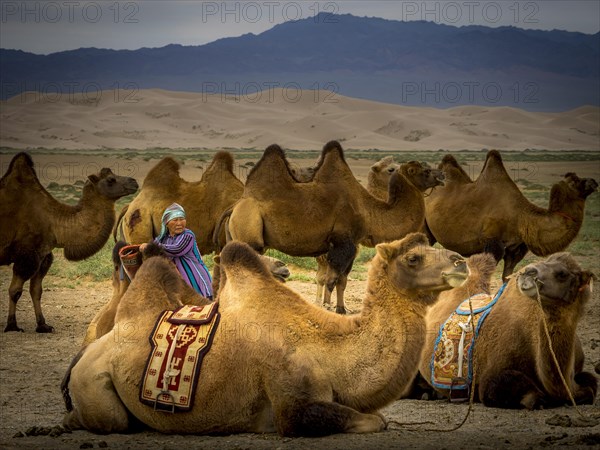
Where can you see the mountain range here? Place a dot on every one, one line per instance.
(407, 63)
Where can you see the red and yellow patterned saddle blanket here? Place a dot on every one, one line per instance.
(179, 341)
(453, 349)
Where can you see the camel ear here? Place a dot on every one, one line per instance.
(385, 251)
(587, 281)
(93, 178)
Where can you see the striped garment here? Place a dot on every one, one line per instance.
(183, 250)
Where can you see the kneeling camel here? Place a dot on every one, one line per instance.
(512, 361)
(303, 371)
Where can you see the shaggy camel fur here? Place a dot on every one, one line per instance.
(33, 223)
(467, 216)
(204, 201)
(513, 366)
(329, 215)
(419, 178)
(104, 319)
(277, 362)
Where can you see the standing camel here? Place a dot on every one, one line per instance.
(203, 201)
(415, 179)
(33, 223)
(470, 216)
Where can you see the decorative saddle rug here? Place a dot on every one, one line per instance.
(131, 260)
(179, 341)
(453, 349)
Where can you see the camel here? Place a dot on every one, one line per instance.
(512, 363)
(203, 201)
(467, 216)
(329, 215)
(277, 362)
(104, 319)
(33, 223)
(419, 178)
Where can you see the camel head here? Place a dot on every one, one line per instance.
(380, 174)
(111, 186)
(422, 175)
(559, 279)
(582, 186)
(412, 265)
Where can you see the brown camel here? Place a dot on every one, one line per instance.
(277, 362)
(104, 319)
(33, 223)
(512, 363)
(468, 216)
(329, 215)
(204, 201)
(417, 178)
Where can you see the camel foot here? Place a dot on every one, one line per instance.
(340, 309)
(11, 325)
(44, 328)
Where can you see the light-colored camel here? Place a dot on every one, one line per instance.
(417, 178)
(104, 319)
(277, 362)
(329, 215)
(513, 366)
(204, 201)
(33, 223)
(468, 216)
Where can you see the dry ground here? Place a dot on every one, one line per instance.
(32, 366)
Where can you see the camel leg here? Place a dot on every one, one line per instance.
(35, 289)
(511, 389)
(340, 288)
(320, 418)
(321, 277)
(512, 257)
(15, 290)
(340, 259)
(96, 405)
(586, 388)
(303, 404)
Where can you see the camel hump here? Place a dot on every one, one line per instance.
(20, 170)
(397, 186)
(241, 255)
(449, 160)
(164, 174)
(333, 147)
(481, 268)
(271, 169)
(222, 160)
(453, 171)
(493, 168)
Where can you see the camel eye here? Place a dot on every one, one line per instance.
(562, 275)
(413, 260)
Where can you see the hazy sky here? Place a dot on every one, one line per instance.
(50, 26)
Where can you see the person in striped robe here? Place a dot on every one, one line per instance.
(179, 245)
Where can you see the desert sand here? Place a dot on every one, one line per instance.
(141, 119)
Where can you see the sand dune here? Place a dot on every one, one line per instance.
(296, 120)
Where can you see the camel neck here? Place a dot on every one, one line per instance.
(383, 355)
(82, 229)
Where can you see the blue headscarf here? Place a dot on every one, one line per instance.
(172, 212)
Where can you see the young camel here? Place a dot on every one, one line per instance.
(469, 216)
(33, 223)
(512, 363)
(277, 362)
